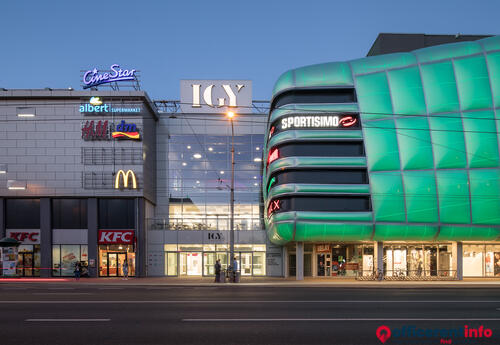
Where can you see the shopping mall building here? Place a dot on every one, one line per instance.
(388, 162)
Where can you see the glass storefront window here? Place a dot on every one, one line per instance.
(171, 264)
(259, 263)
(112, 258)
(243, 247)
(190, 247)
(66, 256)
(209, 247)
(222, 247)
(208, 264)
(170, 247)
(473, 260)
(259, 247)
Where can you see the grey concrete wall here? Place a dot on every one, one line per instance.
(2, 218)
(92, 226)
(45, 238)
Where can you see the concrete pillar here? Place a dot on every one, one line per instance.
(457, 259)
(140, 233)
(92, 226)
(2, 218)
(285, 262)
(299, 255)
(378, 256)
(45, 238)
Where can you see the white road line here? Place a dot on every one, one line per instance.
(336, 319)
(67, 320)
(224, 301)
(62, 288)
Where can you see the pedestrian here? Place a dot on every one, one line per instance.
(125, 269)
(77, 271)
(217, 271)
(235, 269)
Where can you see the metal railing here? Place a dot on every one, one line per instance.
(411, 275)
(201, 223)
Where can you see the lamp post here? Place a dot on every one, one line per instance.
(230, 115)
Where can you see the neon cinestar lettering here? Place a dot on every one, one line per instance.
(93, 78)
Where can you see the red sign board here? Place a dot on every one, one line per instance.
(26, 237)
(116, 236)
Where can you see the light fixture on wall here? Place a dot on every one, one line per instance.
(26, 112)
(3, 168)
(16, 185)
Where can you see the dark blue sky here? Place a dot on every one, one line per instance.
(47, 43)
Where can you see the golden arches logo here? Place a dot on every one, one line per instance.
(125, 176)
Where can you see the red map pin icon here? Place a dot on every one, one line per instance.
(383, 333)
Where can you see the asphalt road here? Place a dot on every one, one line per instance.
(77, 314)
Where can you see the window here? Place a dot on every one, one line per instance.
(320, 176)
(65, 257)
(346, 95)
(320, 204)
(23, 213)
(116, 214)
(322, 149)
(69, 213)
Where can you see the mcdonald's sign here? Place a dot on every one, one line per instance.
(125, 178)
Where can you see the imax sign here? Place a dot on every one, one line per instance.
(216, 96)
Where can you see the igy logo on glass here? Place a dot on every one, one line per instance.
(221, 101)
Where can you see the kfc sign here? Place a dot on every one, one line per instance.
(25, 237)
(116, 236)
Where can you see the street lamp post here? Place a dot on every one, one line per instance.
(230, 115)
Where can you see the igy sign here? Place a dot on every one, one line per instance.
(214, 96)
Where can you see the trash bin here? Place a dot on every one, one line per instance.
(222, 276)
(236, 277)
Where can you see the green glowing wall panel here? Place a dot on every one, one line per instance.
(473, 83)
(485, 196)
(389, 232)
(382, 62)
(420, 194)
(481, 139)
(332, 232)
(387, 196)
(440, 88)
(447, 51)
(493, 61)
(336, 73)
(448, 142)
(375, 102)
(381, 145)
(467, 233)
(453, 191)
(490, 43)
(407, 92)
(415, 146)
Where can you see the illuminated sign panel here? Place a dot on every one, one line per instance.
(341, 121)
(97, 106)
(126, 131)
(105, 130)
(25, 237)
(116, 236)
(122, 179)
(93, 78)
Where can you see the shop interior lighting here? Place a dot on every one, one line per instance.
(189, 147)
(16, 185)
(26, 112)
(255, 177)
(3, 168)
(184, 164)
(257, 148)
(257, 159)
(197, 156)
(210, 149)
(222, 172)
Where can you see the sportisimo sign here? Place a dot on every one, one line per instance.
(93, 77)
(97, 106)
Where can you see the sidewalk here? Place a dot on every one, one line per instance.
(263, 282)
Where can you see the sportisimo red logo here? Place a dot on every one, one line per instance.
(383, 333)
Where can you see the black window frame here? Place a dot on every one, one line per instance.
(315, 96)
(19, 216)
(321, 203)
(77, 213)
(106, 209)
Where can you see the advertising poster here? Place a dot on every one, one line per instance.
(9, 259)
(497, 264)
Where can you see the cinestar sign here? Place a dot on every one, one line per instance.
(116, 236)
(310, 121)
(93, 77)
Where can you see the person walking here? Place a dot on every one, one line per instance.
(217, 267)
(78, 271)
(125, 269)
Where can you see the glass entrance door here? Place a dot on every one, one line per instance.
(115, 264)
(191, 264)
(245, 264)
(25, 264)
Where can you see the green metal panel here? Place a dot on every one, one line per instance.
(453, 191)
(374, 97)
(447, 51)
(414, 143)
(381, 145)
(467, 233)
(493, 60)
(485, 196)
(440, 87)
(309, 231)
(473, 83)
(334, 216)
(316, 162)
(387, 196)
(314, 134)
(490, 43)
(481, 139)
(378, 63)
(327, 74)
(285, 81)
(406, 91)
(421, 198)
(448, 142)
(398, 232)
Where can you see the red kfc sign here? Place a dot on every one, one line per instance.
(26, 237)
(116, 236)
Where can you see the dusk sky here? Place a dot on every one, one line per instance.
(47, 43)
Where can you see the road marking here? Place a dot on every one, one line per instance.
(61, 288)
(67, 320)
(223, 301)
(61, 293)
(110, 288)
(333, 319)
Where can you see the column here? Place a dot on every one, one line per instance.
(378, 256)
(92, 226)
(285, 262)
(140, 233)
(2, 218)
(45, 238)
(299, 255)
(457, 259)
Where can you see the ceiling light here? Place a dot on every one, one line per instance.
(26, 115)
(189, 147)
(197, 156)
(255, 177)
(210, 149)
(222, 172)
(16, 185)
(257, 159)
(3, 168)
(257, 148)
(197, 181)
(184, 164)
